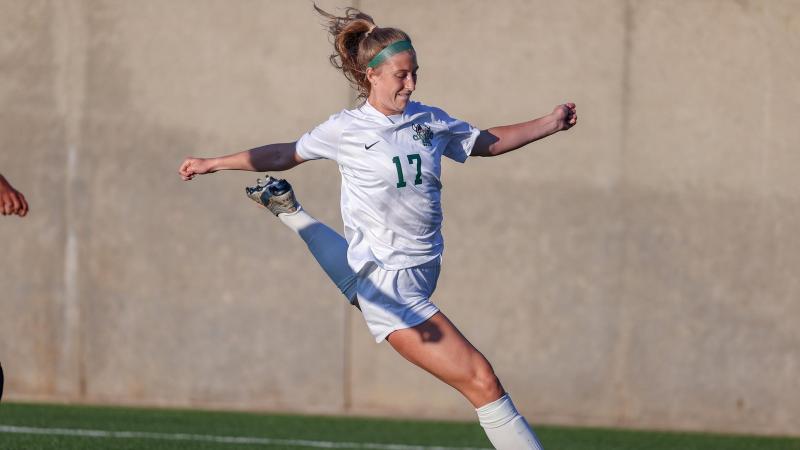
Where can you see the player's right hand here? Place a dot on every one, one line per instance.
(194, 166)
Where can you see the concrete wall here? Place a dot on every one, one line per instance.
(640, 270)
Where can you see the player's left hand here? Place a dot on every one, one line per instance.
(566, 116)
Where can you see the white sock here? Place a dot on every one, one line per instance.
(328, 247)
(505, 427)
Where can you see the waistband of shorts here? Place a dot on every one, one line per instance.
(435, 262)
(368, 266)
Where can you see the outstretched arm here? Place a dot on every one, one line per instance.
(498, 140)
(272, 157)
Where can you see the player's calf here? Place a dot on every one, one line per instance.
(328, 247)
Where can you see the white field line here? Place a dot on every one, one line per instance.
(217, 439)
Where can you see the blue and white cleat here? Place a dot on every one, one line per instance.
(274, 194)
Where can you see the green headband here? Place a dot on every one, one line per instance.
(389, 51)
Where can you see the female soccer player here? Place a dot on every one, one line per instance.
(389, 153)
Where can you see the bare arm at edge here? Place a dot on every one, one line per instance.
(503, 139)
(271, 157)
(11, 200)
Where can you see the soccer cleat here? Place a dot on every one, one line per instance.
(274, 194)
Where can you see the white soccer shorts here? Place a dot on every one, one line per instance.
(392, 300)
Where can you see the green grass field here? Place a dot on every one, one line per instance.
(37, 426)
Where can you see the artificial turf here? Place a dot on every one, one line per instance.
(289, 429)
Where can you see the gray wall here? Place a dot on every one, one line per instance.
(639, 270)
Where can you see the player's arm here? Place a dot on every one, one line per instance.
(11, 200)
(498, 140)
(268, 158)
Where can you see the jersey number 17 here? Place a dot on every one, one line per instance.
(415, 158)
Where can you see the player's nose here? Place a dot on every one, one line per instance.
(411, 84)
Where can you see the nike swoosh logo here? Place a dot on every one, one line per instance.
(367, 147)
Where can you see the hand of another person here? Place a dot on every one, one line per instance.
(11, 200)
(194, 166)
(566, 116)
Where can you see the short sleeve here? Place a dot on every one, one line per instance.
(323, 141)
(461, 136)
(462, 139)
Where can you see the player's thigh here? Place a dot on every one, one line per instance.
(437, 346)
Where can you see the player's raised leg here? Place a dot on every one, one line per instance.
(437, 346)
(328, 247)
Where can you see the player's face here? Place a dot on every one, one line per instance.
(393, 82)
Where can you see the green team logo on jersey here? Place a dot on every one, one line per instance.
(422, 133)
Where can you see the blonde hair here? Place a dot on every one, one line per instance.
(356, 40)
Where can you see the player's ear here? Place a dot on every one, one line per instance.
(372, 76)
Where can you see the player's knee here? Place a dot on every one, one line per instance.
(486, 382)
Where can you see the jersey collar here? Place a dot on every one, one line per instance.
(370, 110)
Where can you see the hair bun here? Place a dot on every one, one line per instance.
(352, 50)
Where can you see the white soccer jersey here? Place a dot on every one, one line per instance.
(391, 170)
